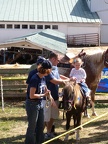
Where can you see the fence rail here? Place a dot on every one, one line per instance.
(83, 39)
(14, 87)
(11, 89)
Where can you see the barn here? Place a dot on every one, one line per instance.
(101, 8)
(71, 17)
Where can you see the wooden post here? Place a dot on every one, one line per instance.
(2, 94)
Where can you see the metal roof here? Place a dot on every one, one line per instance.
(47, 39)
(47, 11)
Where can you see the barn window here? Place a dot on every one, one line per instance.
(9, 26)
(47, 26)
(54, 26)
(39, 26)
(32, 26)
(17, 26)
(2, 26)
(24, 26)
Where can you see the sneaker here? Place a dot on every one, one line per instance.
(54, 134)
(48, 136)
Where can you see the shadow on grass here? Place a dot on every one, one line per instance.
(95, 138)
(13, 140)
(22, 118)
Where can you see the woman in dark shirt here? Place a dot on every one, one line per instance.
(34, 107)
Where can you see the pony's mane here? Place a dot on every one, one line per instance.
(77, 95)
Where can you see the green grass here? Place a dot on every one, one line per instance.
(13, 126)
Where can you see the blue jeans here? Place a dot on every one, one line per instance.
(35, 117)
(84, 88)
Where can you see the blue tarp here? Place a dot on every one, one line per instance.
(103, 84)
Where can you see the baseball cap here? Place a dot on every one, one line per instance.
(46, 64)
(40, 59)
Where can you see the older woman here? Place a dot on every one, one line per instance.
(34, 107)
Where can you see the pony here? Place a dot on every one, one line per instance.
(93, 65)
(74, 104)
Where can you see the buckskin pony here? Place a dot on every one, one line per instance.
(74, 104)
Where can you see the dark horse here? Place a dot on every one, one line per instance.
(74, 104)
(93, 65)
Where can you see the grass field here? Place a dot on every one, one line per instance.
(13, 126)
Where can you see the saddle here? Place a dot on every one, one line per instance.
(87, 101)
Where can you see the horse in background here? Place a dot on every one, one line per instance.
(74, 104)
(93, 65)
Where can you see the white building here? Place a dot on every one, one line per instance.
(101, 8)
(72, 17)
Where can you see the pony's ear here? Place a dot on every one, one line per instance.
(81, 54)
(71, 60)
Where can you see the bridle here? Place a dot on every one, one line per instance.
(69, 101)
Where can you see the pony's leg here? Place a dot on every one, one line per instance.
(93, 104)
(68, 119)
(93, 110)
(78, 118)
(77, 122)
(86, 114)
(77, 134)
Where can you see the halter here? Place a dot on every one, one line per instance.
(71, 102)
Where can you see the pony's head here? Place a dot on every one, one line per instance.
(106, 58)
(71, 96)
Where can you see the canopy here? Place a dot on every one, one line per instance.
(47, 39)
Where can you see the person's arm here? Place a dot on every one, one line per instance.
(63, 77)
(59, 81)
(38, 96)
(71, 75)
(84, 75)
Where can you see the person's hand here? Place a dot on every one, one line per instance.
(73, 79)
(47, 93)
(82, 80)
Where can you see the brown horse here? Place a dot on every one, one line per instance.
(74, 104)
(93, 65)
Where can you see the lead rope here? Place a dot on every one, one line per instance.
(47, 100)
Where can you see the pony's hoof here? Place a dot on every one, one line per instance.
(81, 128)
(78, 139)
(86, 116)
(94, 114)
(66, 137)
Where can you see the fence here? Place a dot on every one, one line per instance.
(83, 40)
(13, 79)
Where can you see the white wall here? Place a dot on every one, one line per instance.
(104, 34)
(99, 5)
(66, 28)
(83, 29)
(7, 34)
(103, 16)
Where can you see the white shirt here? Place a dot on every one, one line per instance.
(79, 74)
